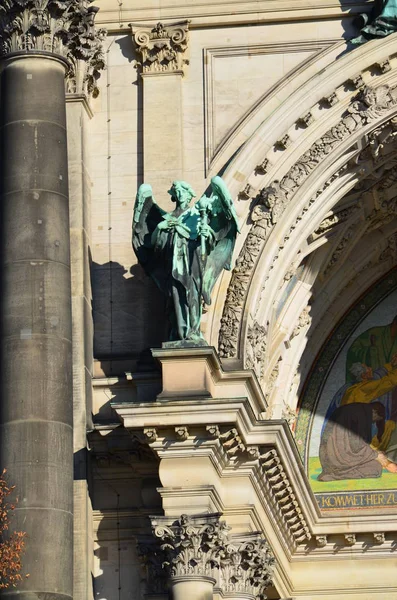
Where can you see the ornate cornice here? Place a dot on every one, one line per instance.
(368, 106)
(162, 49)
(61, 27)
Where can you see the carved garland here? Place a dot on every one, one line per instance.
(369, 105)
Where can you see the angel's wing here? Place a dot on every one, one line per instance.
(223, 222)
(147, 215)
(222, 202)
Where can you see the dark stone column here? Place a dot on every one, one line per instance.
(36, 411)
(38, 46)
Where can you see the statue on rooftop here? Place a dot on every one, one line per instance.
(185, 251)
(381, 22)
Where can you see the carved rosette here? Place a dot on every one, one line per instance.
(191, 544)
(246, 565)
(62, 27)
(163, 48)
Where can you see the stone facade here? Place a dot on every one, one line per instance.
(194, 467)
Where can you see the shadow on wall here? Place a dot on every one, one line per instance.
(128, 312)
(124, 492)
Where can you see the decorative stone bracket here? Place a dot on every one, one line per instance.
(162, 49)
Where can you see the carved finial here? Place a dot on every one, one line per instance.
(65, 28)
(163, 48)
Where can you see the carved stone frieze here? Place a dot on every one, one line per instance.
(65, 28)
(289, 414)
(390, 252)
(340, 249)
(191, 544)
(271, 381)
(256, 348)
(246, 566)
(303, 323)
(369, 105)
(163, 48)
(330, 222)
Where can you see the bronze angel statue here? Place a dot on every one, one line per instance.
(184, 251)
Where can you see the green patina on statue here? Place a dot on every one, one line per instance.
(380, 23)
(185, 251)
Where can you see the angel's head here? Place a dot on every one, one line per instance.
(181, 193)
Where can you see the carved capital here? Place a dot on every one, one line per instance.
(246, 565)
(65, 28)
(192, 544)
(163, 48)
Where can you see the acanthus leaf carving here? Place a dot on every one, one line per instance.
(368, 105)
(63, 28)
(191, 544)
(163, 48)
(304, 322)
(246, 565)
(256, 348)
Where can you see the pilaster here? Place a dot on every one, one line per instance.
(162, 59)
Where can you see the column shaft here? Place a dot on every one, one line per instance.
(36, 406)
